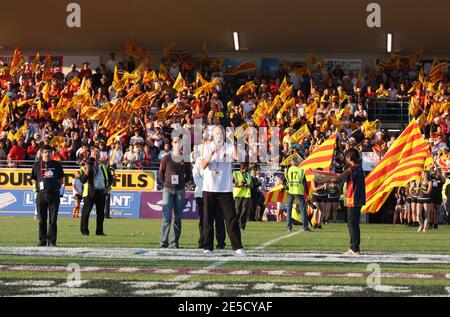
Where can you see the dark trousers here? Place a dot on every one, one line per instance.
(212, 204)
(219, 222)
(99, 201)
(108, 206)
(243, 208)
(353, 219)
(47, 208)
(257, 201)
(447, 207)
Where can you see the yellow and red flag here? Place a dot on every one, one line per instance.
(245, 88)
(47, 74)
(244, 67)
(288, 104)
(180, 83)
(286, 93)
(36, 63)
(322, 158)
(17, 61)
(437, 71)
(403, 163)
(276, 195)
(168, 50)
(163, 73)
(134, 50)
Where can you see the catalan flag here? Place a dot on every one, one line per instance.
(403, 163)
(47, 73)
(288, 104)
(437, 71)
(284, 85)
(245, 88)
(276, 195)
(287, 161)
(276, 102)
(322, 158)
(163, 73)
(286, 93)
(180, 83)
(243, 68)
(17, 61)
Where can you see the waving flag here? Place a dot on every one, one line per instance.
(322, 158)
(243, 68)
(17, 61)
(276, 195)
(403, 163)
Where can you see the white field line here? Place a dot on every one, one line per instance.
(225, 256)
(219, 263)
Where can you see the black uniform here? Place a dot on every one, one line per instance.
(47, 176)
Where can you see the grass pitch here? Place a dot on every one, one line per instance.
(45, 276)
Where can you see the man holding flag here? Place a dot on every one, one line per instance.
(356, 197)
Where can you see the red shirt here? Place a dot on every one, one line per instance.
(17, 153)
(32, 150)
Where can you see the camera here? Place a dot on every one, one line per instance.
(310, 204)
(91, 161)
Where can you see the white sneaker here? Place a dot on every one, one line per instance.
(351, 252)
(208, 252)
(240, 252)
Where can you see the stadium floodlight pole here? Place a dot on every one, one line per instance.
(236, 41)
(389, 42)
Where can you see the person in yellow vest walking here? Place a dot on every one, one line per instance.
(296, 186)
(242, 183)
(96, 179)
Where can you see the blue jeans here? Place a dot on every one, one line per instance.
(301, 205)
(172, 200)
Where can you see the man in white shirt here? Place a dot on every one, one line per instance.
(247, 105)
(112, 63)
(216, 163)
(116, 154)
(136, 139)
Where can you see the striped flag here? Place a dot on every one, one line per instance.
(322, 157)
(276, 195)
(437, 71)
(403, 163)
(17, 61)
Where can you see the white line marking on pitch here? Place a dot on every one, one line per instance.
(215, 265)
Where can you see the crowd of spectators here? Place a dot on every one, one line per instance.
(148, 139)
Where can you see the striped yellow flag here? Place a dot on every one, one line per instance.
(287, 161)
(403, 163)
(286, 93)
(322, 158)
(276, 194)
(244, 88)
(310, 112)
(288, 104)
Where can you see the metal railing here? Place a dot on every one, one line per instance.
(388, 111)
(154, 166)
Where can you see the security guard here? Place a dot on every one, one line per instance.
(47, 177)
(97, 179)
(295, 182)
(242, 183)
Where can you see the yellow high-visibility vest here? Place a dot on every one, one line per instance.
(294, 177)
(242, 192)
(86, 186)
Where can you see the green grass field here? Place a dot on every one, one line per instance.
(428, 279)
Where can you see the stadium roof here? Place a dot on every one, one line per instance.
(327, 26)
